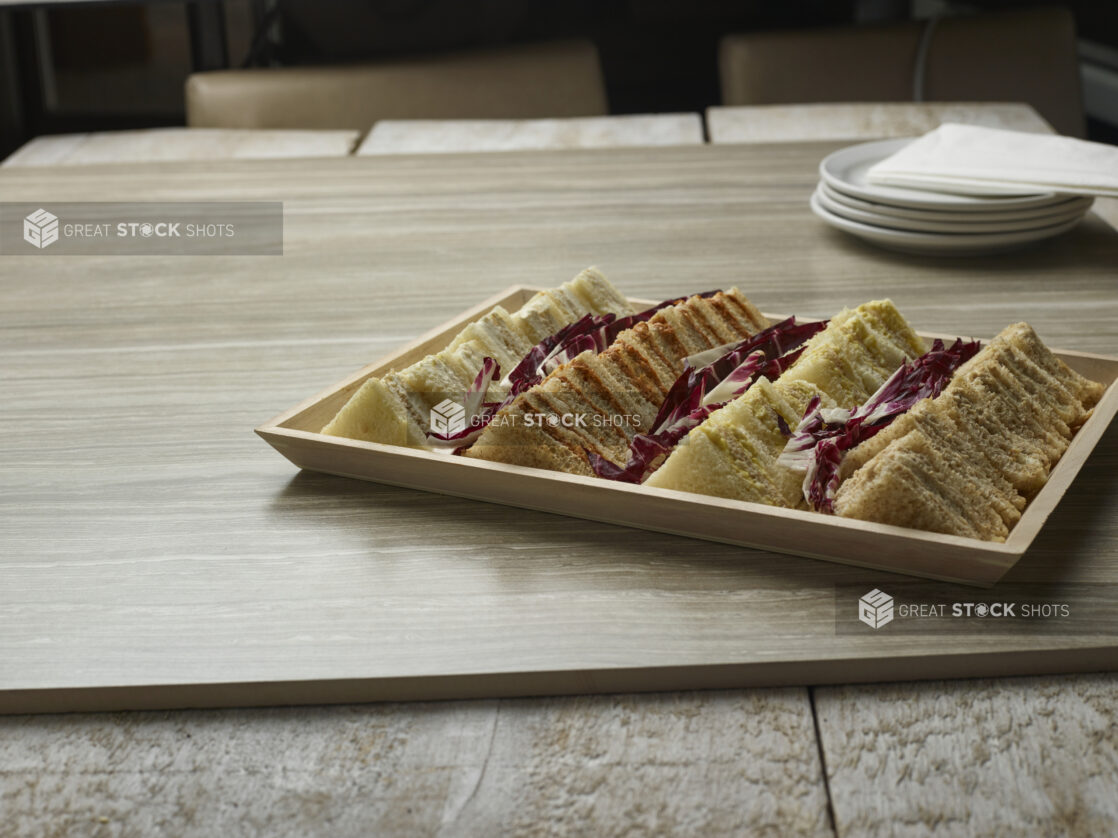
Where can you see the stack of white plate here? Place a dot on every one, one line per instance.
(919, 221)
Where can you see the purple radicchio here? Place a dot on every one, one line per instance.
(474, 412)
(593, 331)
(821, 440)
(722, 375)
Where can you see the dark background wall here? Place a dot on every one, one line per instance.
(117, 65)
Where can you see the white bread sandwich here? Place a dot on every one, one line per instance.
(967, 460)
(596, 401)
(395, 409)
(733, 452)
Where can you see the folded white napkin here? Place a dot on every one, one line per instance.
(970, 160)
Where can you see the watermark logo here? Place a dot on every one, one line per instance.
(100, 228)
(926, 607)
(448, 418)
(875, 609)
(40, 228)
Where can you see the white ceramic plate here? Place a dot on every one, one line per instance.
(939, 244)
(966, 227)
(845, 170)
(1067, 205)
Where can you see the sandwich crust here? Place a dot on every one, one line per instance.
(967, 462)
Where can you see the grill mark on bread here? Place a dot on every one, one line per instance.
(663, 337)
(571, 439)
(715, 321)
(697, 323)
(662, 370)
(606, 401)
(646, 359)
(596, 405)
(742, 311)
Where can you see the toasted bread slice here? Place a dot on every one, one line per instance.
(642, 349)
(555, 417)
(688, 329)
(714, 320)
(966, 462)
(576, 419)
(505, 442)
(735, 307)
(608, 406)
(667, 345)
(631, 400)
(640, 367)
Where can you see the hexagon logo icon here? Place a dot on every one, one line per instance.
(448, 418)
(40, 229)
(875, 609)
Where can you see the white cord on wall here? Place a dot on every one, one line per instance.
(919, 72)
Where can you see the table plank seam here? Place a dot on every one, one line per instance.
(831, 819)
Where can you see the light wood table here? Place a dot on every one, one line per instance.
(153, 145)
(134, 489)
(861, 120)
(440, 136)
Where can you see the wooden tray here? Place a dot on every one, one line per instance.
(901, 550)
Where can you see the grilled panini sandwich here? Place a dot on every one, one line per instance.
(395, 409)
(967, 461)
(598, 402)
(733, 453)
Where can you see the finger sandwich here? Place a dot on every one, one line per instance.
(395, 409)
(733, 453)
(616, 392)
(968, 461)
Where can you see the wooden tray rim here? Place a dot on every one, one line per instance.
(1008, 552)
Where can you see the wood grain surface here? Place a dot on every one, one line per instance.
(861, 120)
(712, 763)
(441, 136)
(152, 540)
(130, 475)
(164, 144)
(1014, 756)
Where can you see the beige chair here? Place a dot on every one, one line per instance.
(538, 80)
(1020, 56)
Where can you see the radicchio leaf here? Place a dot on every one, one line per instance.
(740, 362)
(478, 411)
(592, 331)
(823, 437)
(688, 403)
